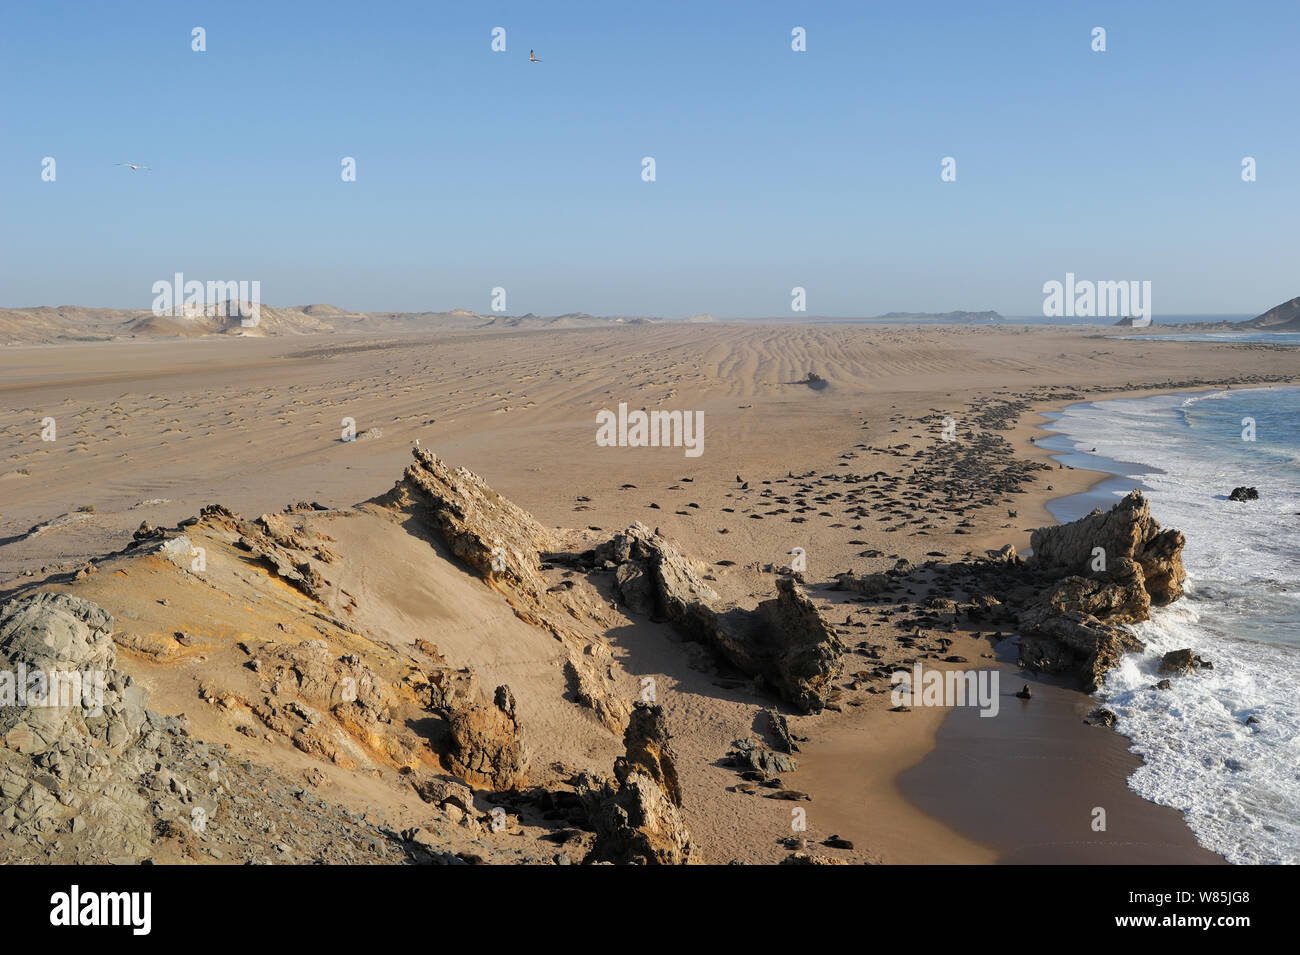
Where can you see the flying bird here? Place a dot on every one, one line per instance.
(134, 166)
(532, 57)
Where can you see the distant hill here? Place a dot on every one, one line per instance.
(52, 323)
(235, 318)
(49, 324)
(69, 323)
(1279, 318)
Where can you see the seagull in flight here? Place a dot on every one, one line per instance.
(134, 166)
(532, 57)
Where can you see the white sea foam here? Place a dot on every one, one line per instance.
(1238, 783)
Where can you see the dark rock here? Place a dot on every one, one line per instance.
(748, 754)
(779, 727)
(1102, 717)
(1181, 662)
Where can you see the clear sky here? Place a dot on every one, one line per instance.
(774, 168)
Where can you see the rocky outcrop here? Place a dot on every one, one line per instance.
(485, 746)
(97, 777)
(1060, 633)
(327, 705)
(63, 646)
(1097, 573)
(590, 682)
(1244, 494)
(637, 815)
(503, 545)
(498, 540)
(653, 577)
(785, 641)
(1108, 538)
(1279, 318)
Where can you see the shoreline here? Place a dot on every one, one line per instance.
(1157, 834)
(957, 774)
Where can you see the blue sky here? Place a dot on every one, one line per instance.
(819, 169)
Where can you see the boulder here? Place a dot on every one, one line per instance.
(788, 643)
(485, 747)
(1119, 596)
(1006, 554)
(1073, 644)
(661, 579)
(636, 588)
(1102, 717)
(750, 754)
(1182, 662)
(779, 727)
(443, 791)
(1244, 494)
(869, 585)
(637, 815)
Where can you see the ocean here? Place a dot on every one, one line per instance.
(1237, 783)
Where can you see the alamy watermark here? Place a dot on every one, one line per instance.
(923, 687)
(193, 299)
(1088, 299)
(651, 429)
(36, 687)
(130, 909)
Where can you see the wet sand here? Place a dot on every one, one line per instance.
(1032, 779)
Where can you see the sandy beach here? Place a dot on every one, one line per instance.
(155, 431)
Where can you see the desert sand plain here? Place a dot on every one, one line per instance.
(153, 431)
